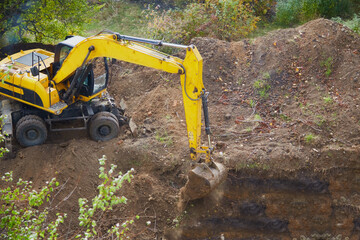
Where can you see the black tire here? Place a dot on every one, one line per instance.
(103, 126)
(104, 114)
(30, 131)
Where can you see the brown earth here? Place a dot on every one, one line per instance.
(284, 112)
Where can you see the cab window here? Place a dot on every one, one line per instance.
(64, 52)
(100, 74)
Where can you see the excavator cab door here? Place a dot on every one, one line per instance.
(97, 78)
(87, 88)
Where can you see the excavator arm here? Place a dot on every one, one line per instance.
(125, 48)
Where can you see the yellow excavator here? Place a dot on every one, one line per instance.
(47, 89)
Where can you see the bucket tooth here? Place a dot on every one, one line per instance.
(202, 180)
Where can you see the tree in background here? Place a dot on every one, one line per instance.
(223, 19)
(44, 20)
(292, 12)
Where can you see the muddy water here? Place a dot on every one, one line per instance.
(263, 206)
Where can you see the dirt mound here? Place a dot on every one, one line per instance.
(278, 89)
(280, 104)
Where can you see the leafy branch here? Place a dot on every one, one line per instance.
(21, 217)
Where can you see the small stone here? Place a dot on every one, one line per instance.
(148, 120)
(63, 145)
(220, 145)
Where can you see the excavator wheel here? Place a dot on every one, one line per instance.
(104, 126)
(30, 131)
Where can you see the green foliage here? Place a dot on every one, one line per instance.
(235, 18)
(290, 12)
(285, 118)
(20, 214)
(252, 103)
(328, 100)
(262, 8)
(261, 86)
(257, 117)
(103, 202)
(163, 137)
(320, 120)
(5, 76)
(45, 20)
(224, 19)
(119, 16)
(21, 217)
(266, 75)
(353, 23)
(309, 138)
(287, 12)
(327, 63)
(167, 4)
(249, 129)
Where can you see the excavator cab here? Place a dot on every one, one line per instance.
(63, 49)
(96, 73)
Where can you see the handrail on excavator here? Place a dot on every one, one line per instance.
(159, 43)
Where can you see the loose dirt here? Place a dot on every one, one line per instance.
(284, 112)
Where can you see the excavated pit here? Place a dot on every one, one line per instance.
(253, 205)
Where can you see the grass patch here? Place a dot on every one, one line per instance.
(164, 138)
(320, 120)
(119, 16)
(257, 117)
(262, 88)
(285, 118)
(263, 29)
(328, 100)
(252, 103)
(310, 138)
(328, 65)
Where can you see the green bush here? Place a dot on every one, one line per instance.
(263, 8)
(20, 216)
(353, 24)
(25, 212)
(290, 12)
(44, 21)
(335, 8)
(223, 19)
(287, 12)
(164, 3)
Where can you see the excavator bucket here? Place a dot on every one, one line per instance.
(202, 180)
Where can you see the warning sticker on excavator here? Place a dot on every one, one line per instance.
(191, 136)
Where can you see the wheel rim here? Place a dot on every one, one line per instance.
(32, 134)
(104, 130)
